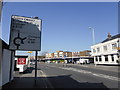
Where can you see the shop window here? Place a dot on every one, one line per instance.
(100, 58)
(96, 58)
(118, 55)
(112, 57)
(106, 58)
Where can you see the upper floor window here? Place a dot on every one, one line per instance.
(105, 48)
(98, 49)
(94, 50)
(114, 46)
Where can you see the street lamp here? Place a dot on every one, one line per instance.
(93, 34)
(118, 48)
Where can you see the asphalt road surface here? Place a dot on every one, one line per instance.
(78, 76)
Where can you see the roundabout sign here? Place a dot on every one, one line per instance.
(25, 33)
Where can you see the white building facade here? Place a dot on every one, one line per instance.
(106, 52)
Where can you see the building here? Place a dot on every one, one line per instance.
(59, 54)
(56, 54)
(75, 54)
(49, 55)
(106, 52)
(65, 54)
(81, 53)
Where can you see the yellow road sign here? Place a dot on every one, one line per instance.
(30, 52)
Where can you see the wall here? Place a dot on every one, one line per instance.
(109, 47)
(5, 63)
(5, 66)
(0, 47)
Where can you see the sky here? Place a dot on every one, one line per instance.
(65, 25)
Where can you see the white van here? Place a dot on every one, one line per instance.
(84, 61)
(21, 62)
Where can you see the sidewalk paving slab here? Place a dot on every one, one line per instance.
(24, 80)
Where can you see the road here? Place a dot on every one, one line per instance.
(68, 76)
(78, 76)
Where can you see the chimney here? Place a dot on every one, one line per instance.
(35, 17)
(109, 36)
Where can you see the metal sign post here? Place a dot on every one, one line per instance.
(36, 67)
(11, 63)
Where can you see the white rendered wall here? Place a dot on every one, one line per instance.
(103, 52)
(6, 66)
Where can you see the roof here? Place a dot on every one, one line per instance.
(113, 37)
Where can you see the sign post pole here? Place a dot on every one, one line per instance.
(36, 67)
(11, 63)
(26, 35)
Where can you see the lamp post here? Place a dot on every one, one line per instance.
(118, 48)
(93, 34)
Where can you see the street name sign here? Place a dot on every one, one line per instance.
(25, 33)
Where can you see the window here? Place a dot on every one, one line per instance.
(112, 57)
(105, 48)
(96, 58)
(94, 50)
(98, 49)
(100, 58)
(118, 55)
(106, 58)
(114, 46)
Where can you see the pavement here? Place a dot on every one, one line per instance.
(27, 80)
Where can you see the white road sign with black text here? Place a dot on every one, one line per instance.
(25, 33)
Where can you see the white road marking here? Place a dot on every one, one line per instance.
(94, 74)
(45, 80)
(90, 73)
